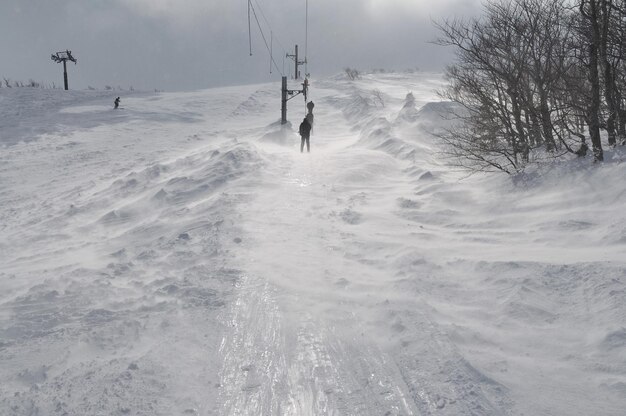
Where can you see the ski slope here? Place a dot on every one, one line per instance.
(181, 257)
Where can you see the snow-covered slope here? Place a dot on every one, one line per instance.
(181, 256)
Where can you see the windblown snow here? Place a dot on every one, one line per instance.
(180, 256)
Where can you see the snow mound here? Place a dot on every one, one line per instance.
(357, 108)
(615, 340)
(436, 117)
(280, 134)
(380, 134)
(409, 112)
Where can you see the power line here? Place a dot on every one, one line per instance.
(263, 36)
(269, 25)
(285, 92)
(273, 38)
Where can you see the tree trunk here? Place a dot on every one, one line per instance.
(546, 122)
(594, 79)
(609, 80)
(621, 117)
(522, 141)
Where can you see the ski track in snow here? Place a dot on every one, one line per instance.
(182, 257)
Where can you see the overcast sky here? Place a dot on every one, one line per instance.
(191, 44)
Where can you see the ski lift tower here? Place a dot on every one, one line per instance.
(64, 57)
(296, 74)
(288, 94)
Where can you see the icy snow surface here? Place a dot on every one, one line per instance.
(180, 256)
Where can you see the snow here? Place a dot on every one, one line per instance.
(181, 256)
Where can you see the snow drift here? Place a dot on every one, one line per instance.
(182, 257)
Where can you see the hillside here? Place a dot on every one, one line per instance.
(181, 256)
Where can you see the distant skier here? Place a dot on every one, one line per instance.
(117, 102)
(305, 133)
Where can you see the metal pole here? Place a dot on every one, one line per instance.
(283, 108)
(306, 40)
(296, 73)
(65, 74)
(249, 28)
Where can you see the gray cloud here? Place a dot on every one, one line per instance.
(190, 44)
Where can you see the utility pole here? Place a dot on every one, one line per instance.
(283, 108)
(64, 57)
(297, 63)
(293, 93)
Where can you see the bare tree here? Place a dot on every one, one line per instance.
(352, 73)
(494, 81)
(535, 79)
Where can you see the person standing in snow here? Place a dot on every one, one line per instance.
(117, 102)
(309, 116)
(305, 133)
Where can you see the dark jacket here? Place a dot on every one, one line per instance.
(305, 128)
